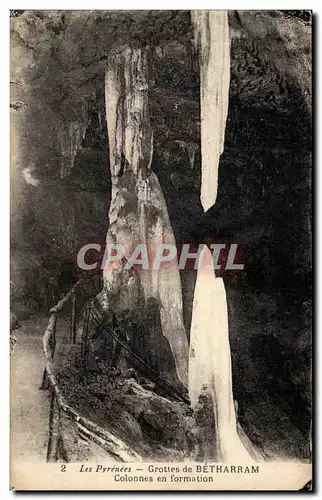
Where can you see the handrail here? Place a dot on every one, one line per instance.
(105, 439)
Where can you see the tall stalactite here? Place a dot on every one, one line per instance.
(212, 41)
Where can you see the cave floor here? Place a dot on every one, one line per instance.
(29, 405)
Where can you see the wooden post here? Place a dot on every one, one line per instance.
(45, 382)
(53, 439)
(73, 319)
(99, 283)
(53, 340)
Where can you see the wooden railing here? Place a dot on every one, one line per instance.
(114, 447)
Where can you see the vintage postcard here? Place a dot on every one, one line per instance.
(161, 286)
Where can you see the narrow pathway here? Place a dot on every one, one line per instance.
(29, 406)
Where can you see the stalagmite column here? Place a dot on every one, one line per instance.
(70, 137)
(210, 358)
(138, 212)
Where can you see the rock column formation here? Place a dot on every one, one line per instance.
(210, 357)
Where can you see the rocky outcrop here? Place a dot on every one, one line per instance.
(138, 213)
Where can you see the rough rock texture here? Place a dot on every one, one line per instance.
(132, 406)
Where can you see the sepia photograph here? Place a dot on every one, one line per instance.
(161, 249)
